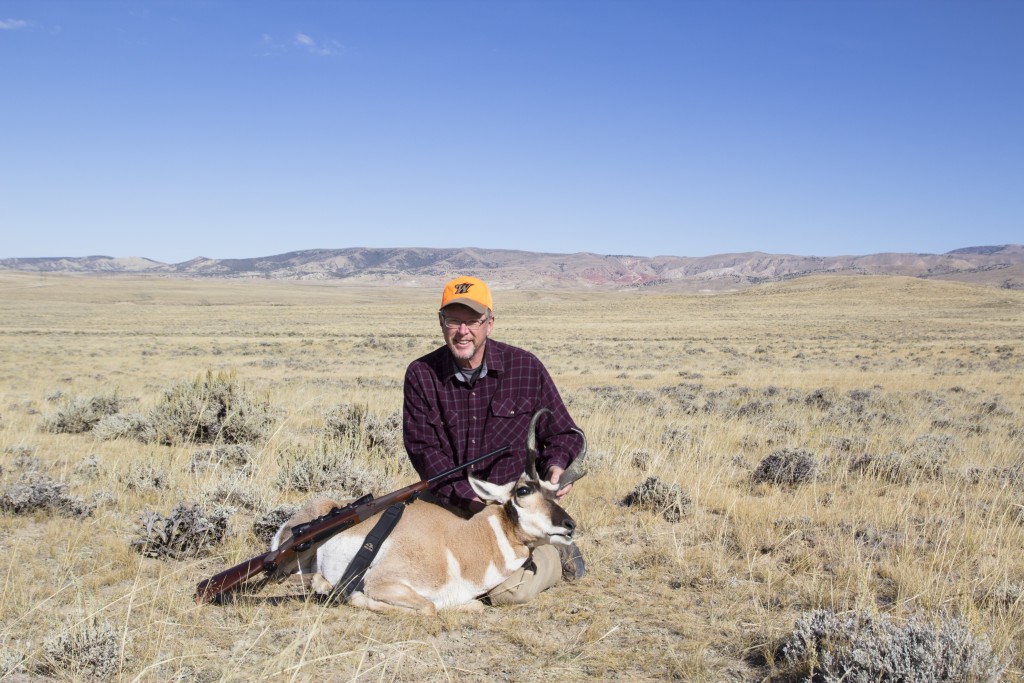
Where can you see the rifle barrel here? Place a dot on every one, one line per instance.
(469, 463)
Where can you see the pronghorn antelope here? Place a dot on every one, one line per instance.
(435, 559)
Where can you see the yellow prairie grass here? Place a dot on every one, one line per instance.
(900, 399)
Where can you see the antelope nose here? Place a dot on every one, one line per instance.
(569, 524)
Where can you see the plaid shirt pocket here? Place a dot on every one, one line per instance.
(512, 407)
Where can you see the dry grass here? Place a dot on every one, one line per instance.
(895, 404)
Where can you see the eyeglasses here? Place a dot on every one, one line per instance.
(471, 324)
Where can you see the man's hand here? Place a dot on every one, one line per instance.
(554, 474)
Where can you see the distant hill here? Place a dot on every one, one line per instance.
(996, 266)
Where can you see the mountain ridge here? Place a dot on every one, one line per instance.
(998, 266)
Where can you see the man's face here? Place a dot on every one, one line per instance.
(465, 333)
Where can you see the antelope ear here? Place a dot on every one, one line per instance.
(492, 493)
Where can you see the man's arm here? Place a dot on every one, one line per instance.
(557, 437)
(425, 441)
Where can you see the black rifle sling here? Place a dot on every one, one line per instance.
(352, 580)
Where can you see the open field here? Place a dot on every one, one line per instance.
(891, 409)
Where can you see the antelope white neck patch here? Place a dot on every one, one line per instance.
(507, 552)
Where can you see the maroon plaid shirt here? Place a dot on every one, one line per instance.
(447, 422)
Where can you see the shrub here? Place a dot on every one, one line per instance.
(676, 438)
(233, 495)
(235, 456)
(364, 429)
(125, 426)
(91, 651)
(892, 468)
(190, 674)
(668, 499)
(12, 661)
(20, 451)
(80, 414)
(825, 647)
(1004, 595)
(267, 523)
(144, 476)
(188, 532)
(88, 468)
(39, 492)
(210, 409)
(23, 457)
(642, 459)
(925, 460)
(822, 398)
(346, 420)
(931, 453)
(320, 472)
(786, 466)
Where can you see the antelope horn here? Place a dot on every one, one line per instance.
(531, 445)
(574, 473)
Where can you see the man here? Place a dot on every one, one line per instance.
(474, 395)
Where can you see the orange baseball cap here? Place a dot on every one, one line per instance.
(468, 291)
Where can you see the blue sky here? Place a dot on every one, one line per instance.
(225, 129)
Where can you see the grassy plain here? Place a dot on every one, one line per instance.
(906, 394)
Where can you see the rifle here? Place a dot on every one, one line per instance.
(313, 533)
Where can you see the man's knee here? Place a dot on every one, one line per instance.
(528, 582)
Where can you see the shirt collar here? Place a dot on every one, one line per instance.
(464, 375)
(492, 361)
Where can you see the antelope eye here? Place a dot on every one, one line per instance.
(523, 491)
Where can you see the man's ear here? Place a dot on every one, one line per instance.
(491, 493)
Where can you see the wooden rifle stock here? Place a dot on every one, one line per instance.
(315, 532)
(214, 588)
